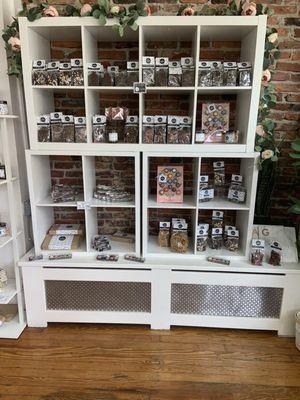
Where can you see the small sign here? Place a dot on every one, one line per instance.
(83, 205)
(139, 87)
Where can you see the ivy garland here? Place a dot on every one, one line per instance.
(127, 16)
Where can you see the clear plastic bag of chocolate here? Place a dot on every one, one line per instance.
(175, 74)
(53, 73)
(206, 191)
(164, 234)
(275, 256)
(39, 73)
(229, 73)
(132, 72)
(232, 240)
(219, 178)
(131, 131)
(204, 74)
(65, 74)
(217, 219)
(56, 127)
(173, 129)
(161, 71)
(216, 73)
(179, 241)
(188, 71)
(148, 129)
(121, 78)
(237, 192)
(114, 71)
(148, 70)
(63, 193)
(160, 129)
(106, 78)
(185, 130)
(77, 71)
(68, 128)
(202, 237)
(43, 128)
(116, 117)
(95, 71)
(80, 129)
(216, 240)
(232, 137)
(244, 72)
(99, 129)
(257, 252)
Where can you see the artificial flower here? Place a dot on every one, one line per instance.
(260, 130)
(148, 10)
(273, 37)
(249, 9)
(266, 75)
(266, 154)
(188, 11)
(15, 43)
(50, 12)
(115, 10)
(86, 8)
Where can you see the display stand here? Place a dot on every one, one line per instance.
(170, 288)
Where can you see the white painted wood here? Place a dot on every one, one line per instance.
(160, 299)
(290, 305)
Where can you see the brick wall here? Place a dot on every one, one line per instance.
(286, 80)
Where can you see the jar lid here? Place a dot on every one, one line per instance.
(3, 102)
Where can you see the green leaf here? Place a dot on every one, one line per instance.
(274, 158)
(143, 13)
(295, 209)
(140, 5)
(258, 148)
(115, 28)
(134, 26)
(105, 5)
(121, 30)
(294, 155)
(96, 13)
(295, 145)
(102, 19)
(296, 164)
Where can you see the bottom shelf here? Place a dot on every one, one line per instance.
(12, 329)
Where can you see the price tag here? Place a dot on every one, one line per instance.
(83, 205)
(139, 87)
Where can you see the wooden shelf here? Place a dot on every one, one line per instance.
(188, 202)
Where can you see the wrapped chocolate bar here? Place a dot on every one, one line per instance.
(63, 193)
(132, 72)
(121, 78)
(185, 130)
(164, 234)
(131, 131)
(43, 128)
(219, 178)
(68, 128)
(202, 236)
(206, 191)
(232, 240)
(245, 73)
(237, 192)
(106, 78)
(160, 129)
(175, 74)
(65, 74)
(77, 71)
(188, 71)
(52, 73)
(257, 252)
(100, 243)
(39, 73)
(99, 128)
(173, 129)
(204, 77)
(56, 127)
(217, 219)
(161, 71)
(179, 240)
(216, 239)
(275, 256)
(148, 129)
(95, 70)
(113, 71)
(80, 129)
(232, 137)
(216, 73)
(148, 68)
(229, 73)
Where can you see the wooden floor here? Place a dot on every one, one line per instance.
(94, 362)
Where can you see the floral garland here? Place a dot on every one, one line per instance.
(127, 16)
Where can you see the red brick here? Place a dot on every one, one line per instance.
(291, 44)
(288, 66)
(281, 76)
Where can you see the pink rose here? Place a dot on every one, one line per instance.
(148, 10)
(188, 11)
(50, 12)
(249, 9)
(86, 8)
(266, 76)
(260, 130)
(15, 43)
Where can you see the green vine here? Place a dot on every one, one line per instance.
(126, 16)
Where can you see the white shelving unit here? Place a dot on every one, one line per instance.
(12, 247)
(169, 289)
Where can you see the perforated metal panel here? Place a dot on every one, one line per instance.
(98, 296)
(238, 301)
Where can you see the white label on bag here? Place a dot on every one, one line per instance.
(65, 229)
(62, 242)
(236, 195)
(207, 194)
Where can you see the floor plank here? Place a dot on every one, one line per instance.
(110, 362)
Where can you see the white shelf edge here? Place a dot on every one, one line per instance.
(188, 203)
(8, 292)
(12, 329)
(8, 116)
(5, 240)
(49, 87)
